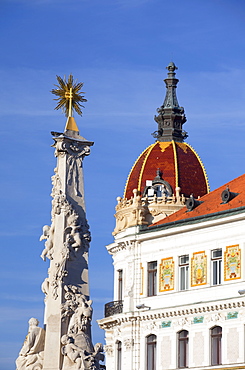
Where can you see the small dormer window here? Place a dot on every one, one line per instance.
(157, 187)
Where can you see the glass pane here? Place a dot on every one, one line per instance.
(219, 275)
(183, 349)
(182, 278)
(151, 352)
(217, 253)
(187, 277)
(216, 336)
(119, 355)
(152, 278)
(120, 283)
(215, 272)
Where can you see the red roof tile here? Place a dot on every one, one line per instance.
(179, 164)
(212, 203)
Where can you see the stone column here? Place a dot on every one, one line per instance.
(67, 242)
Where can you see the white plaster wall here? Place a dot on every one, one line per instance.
(220, 299)
(165, 350)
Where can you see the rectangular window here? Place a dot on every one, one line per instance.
(119, 355)
(120, 285)
(216, 268)
(184, 272)
(152, 278)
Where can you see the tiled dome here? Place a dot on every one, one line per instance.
(179, 165)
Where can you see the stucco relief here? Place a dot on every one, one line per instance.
(129, 279)
(128, 343)
(109, 349)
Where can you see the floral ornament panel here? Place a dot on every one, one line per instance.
(199, 269)
(232, 263)
(166, 274)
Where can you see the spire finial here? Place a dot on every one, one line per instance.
(171, 67)
(69, 99)
(171, 116)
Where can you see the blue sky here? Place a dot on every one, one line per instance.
(119, 49)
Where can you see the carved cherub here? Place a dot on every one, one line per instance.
(48, 234)
(72, 351)
(74, 230)
(99, 356)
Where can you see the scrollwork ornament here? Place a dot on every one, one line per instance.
(109, 349)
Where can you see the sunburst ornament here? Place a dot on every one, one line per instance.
(69, 95)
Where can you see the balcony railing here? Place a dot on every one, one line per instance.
(114, 307)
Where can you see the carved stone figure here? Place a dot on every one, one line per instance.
(77, 346)
(74, 230)
(48, 233)
(31, 353)
(78, 358)
(72, 351)
(78, 310)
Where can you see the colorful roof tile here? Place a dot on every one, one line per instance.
(179, 164)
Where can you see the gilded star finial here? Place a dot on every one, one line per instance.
(69, 95)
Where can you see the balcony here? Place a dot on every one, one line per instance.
(114, 307)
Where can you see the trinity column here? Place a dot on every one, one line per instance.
(65, 342)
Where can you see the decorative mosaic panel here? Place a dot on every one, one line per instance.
(232, 265)
(166, 274)
(198, 320)
(141, 279)
(199, 269)
(232, 315)
(166, 324)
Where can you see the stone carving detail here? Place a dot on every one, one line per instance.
(128, 343)
(48, 234)
(130, 213)
(109, 349)
(130, 280)
(45, 288)
(76, 235)
(31, 353)
(145, 210)
(56, 182)
(76, 152)
(76, 238)
(77, 348)
(215, 317)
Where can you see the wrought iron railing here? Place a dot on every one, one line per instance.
(114, 307)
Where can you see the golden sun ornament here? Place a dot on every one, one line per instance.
(69, 95)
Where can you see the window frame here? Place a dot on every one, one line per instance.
(151, 350)
(216, 277)
(183, 347)
(119, 285)
(151, 279)
(184, 273)
(216, 358)
(119, 355)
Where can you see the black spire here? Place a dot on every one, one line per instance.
(171, 116)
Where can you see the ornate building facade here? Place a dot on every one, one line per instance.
(178, 255)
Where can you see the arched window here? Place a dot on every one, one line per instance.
(183, 339)
(119, 355)
(216, 338)
(151, 342)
